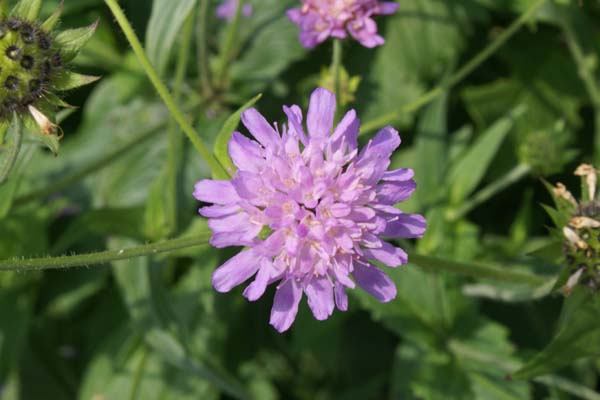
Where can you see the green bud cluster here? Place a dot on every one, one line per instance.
(546, 151)
(29, 63)
(34, 69)
(579, 225)
(585, 258)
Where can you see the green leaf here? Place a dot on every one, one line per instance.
(53, 19)
(578, 336)
(221, 143)
(72, 80)
(72, 41)
(27, 9)
(431, 151)
(157, 223)
(165, 23)
(468, 172)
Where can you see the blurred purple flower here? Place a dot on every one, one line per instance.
(320, 19)
(311, 209)
(226, 10)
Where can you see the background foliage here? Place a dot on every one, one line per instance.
(153, 328)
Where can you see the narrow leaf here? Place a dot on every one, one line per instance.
(165, 22)
(431, 150)
(27, 9)
(71, 41)
(468, 172)
(220, 149)
(52, 20)
(72, 80)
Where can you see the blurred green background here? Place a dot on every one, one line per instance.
(154, 329)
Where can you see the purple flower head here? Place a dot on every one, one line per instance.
(311, 209)
(226, 10)
(320, 19)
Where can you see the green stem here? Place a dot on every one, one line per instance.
(458, 76)
(202, 45)
(138, 374)
(12, 151)
(336, 65)
(162, 90)
(103, 257)
(175, 142)
(229, 47)
(513, 176)
(435, 264)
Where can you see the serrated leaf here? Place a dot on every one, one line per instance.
(468, 172)
(72, 80)
(165, 22)
(578, 336)
(72, 41)
(27, 9)
(221, 143)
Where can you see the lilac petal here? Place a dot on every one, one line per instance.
(399, 175)
(260, 128)
(227, 239)
(347, 128)
(373, 281)
(219, 211)
(382, 145)
(257, 288)
(321, 110)
(294, 114)
(231, 223)
(320, 297)
(218, 192)
(294, 15)
(388, 7)
(395, 192)
(235, 271)
(341, 297)
(285, 305)
(405, 226)
(246, 154)
(387, 254)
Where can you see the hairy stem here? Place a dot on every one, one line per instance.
(458, 76)
(103, 257)
(162, 90)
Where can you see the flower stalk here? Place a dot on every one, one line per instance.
(103, 257)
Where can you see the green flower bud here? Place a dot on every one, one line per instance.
(579, 222)
(546, 151)
(348, 84)
(34, 67)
